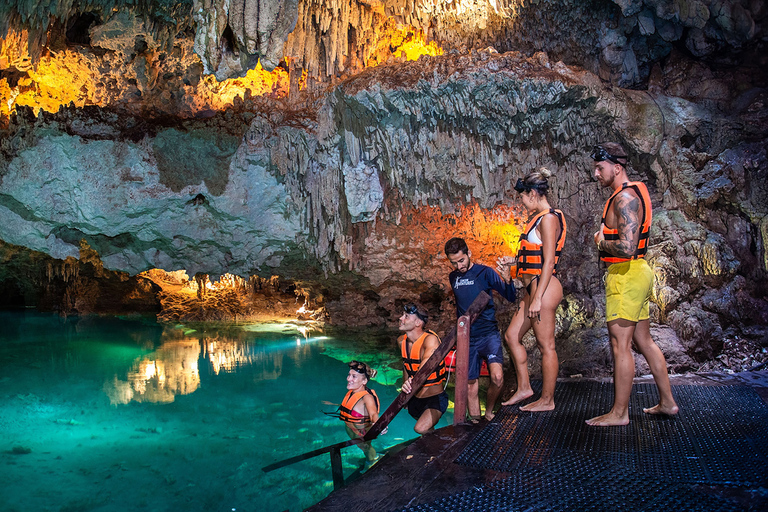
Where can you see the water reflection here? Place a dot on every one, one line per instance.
(174, 368)
(228, 354)
(159, 376)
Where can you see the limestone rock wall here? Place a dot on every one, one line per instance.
(350, 182)
(441, 138)
(619, 40)
(232, 36)
(73, 285)
(192, 197)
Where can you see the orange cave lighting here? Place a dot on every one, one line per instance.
(69, 77)
(490, 233)
(78, 78)
(403, 42)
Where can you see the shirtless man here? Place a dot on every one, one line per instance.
(622, 242)
(416, 346)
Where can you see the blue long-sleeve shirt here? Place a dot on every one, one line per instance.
(467, 286)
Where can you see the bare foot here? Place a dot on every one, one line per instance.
(538, 406)
(489, 416)
(608, 420)
(519, 396)
(662, 409)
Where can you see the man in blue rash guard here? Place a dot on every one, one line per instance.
(467, 281)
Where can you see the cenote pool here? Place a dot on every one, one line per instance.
(125, 414)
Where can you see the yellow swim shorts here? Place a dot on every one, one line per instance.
(628, 290)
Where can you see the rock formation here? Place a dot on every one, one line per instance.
(219, 138)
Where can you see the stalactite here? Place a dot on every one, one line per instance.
(67, 270)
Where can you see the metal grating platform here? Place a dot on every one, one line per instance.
(719, 437)
(613, 489)
(553, 461)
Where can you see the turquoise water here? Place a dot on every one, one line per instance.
(114, 414)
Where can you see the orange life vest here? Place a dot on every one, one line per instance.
(412, 361)
(530, 256)
(612, 234)
(350, 399)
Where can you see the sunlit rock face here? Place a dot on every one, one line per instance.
(348, 179)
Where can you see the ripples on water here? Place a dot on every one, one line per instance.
(113, 414)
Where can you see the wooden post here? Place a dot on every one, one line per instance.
(336, 469)
(462, 371)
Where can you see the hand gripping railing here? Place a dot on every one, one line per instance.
(460, 331)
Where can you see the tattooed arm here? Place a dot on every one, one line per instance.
(626, 213)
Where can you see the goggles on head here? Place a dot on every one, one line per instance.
(599, 154)
(359, 367)
(521, 186)
(411, 309)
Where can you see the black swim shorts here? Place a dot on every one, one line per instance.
(417, 406)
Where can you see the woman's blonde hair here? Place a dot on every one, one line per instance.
(538, 180)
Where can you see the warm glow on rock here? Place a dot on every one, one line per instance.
(497, 229)
(505, 234)
(404, 42)
(303, 80)
(412, 45)
(257, 82)
(9, 98)
(60, 79)
(489, 233)
(81, 78)
(157, 80)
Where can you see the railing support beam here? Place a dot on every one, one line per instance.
(336, 469)
(462, 371)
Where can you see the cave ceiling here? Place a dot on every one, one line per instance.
(347, 139)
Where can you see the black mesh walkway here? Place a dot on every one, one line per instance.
(554, 461)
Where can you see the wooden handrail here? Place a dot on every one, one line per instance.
(309, 455)
(400, 401)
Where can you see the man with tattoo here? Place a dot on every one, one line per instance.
(622, 242)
